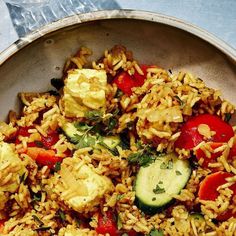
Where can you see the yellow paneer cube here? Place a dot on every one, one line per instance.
(11, 168)
(84, 90)
(80, 187)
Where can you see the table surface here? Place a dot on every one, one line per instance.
(216, 16)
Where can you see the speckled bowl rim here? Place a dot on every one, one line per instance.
(118, 14)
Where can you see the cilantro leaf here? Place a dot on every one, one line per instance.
(113, 151)
(81, 126)
(155, 232)
(94, 115)
(144, 157)
(57, 166)
(177, 172)
(167, 165)
(158, 190)
(227, 117)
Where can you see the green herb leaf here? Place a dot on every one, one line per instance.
(113, 151)
(167, 165)
(57, 83)
(181, 103)
(57, 166)
(119, 197)
(155, 232)
(94, 115)
(158, 190)
(37, 197)
(227, 117)
(85, 141)
(37, 219)
(38, 143)
(81, 126)
(124, 234)
(112, 122)
(61, 214)
(119, 93)
(125, 142)
(22, 178)
(177, 172)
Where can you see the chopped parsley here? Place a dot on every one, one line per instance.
(36, 197)
(227, 117)
(158, 190)
(94, 115)
(113, 151)
(143, 157)
(177, 172)
(38, 143)
(61, 215)
(154, 199)
(119, 197)
(36, 219)
(155, 232)
(167, 165)
(23, 178)
(57, 166)
(181, 103)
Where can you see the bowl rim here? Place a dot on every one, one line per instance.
(229, 51)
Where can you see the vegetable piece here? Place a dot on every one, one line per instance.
(208, 187)
(51, 139)
(155, 232)
(208, 190)
(125, 82)
(80, 136)
(190, 136)
(200, 154)
(1, 225)
(43, 157)
(157, 183)
(107, 224)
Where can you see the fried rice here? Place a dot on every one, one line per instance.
(38, 198)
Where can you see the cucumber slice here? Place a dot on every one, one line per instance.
(157, 183)
(105, 142)
(70, 131)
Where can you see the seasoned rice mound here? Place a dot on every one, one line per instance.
(65, 160)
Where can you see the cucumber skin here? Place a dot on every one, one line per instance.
(149, 210)
(152, 210)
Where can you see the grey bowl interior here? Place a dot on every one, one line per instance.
(32, 67)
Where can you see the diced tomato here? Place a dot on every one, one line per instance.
(232, 153)
(208, 190)
(208, 187)
(190, 137)
(226, 215)
(107, 224)
(200, 154)
(132, 233)
(125, 82)
(24, 131)
(50, 140)
(43, 157)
